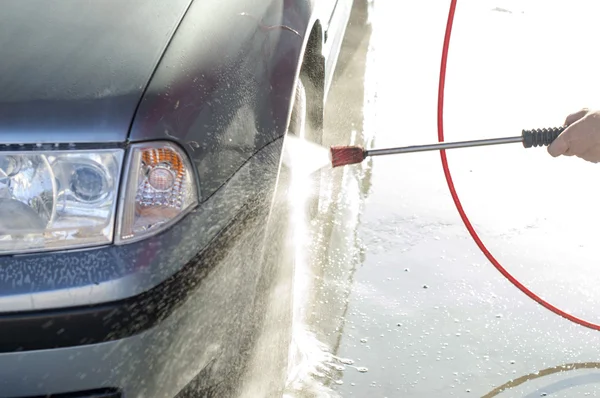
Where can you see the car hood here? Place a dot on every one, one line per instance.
(74, 71)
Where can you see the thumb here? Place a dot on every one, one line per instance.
(562, 143)
(559, 146)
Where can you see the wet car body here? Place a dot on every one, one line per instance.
(172, 314)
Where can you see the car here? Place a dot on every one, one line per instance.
(144, 194)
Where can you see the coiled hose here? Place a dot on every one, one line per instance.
(455, 198)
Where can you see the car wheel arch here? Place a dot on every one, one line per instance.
(311, 71)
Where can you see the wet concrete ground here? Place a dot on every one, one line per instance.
(404, 301)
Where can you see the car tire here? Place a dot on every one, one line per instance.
(297, 126)
(270, 348)
(304, 127)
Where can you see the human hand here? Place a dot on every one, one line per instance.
(580, 138)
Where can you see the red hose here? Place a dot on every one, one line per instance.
(478, 241)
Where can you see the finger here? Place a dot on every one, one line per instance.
(582, 137)
(574, 140)
(573, 117)
(560, 146)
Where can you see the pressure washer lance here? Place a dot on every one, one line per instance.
(348, 154)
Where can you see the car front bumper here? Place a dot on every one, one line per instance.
(150, 345)
(192, 329)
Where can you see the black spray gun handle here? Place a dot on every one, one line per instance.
(540, 137)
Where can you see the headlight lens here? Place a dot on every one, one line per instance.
(51, 200)
(57, 199)
(159, 189)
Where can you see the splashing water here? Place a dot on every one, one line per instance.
(311, 365)
(311, 156)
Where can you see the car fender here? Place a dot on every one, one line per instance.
(224, 85)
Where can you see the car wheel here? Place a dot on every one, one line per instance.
(304, 127)
(272, 352)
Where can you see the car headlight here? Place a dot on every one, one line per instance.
(159, 189)
(57, 199)
(65, 199)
